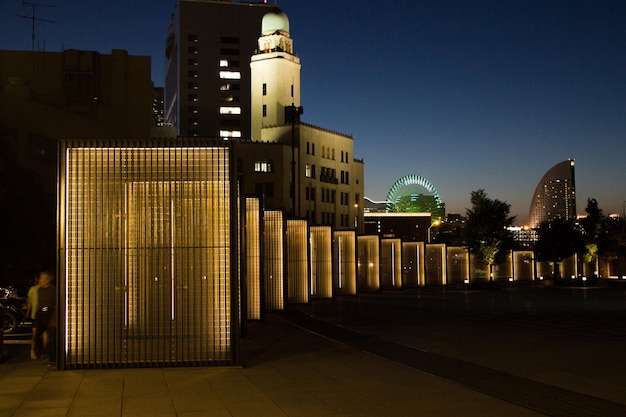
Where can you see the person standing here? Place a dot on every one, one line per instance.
(31, 304)
(46, 306)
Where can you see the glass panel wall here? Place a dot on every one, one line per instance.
(344, 262)
(274, 259)
(435, 264)
(368, 263)
(297, 261)
(254, 223)
(458, 265)
(412, 264)
(321, 262)
(391, 263)
(145, 262)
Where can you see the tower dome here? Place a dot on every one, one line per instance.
(275, 21)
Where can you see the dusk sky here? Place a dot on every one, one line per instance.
(467, 94)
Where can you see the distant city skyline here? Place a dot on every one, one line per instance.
(469, 95)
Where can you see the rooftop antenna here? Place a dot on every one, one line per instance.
(34, 19)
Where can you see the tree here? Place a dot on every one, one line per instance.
(487, 234)
(593, 228)
(558, 239)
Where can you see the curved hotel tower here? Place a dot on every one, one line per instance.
(555, 195)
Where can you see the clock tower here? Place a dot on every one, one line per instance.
(275, 74)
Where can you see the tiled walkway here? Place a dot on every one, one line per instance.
(415, 353)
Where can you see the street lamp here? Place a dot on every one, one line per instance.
(435, 223)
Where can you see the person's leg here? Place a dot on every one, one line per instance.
(37, 332)
(33, 352)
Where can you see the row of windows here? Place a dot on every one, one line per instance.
(328, 195)
(263, 166)
(344, 199)
(345, 177)
(328, 175)
(309, 171)
(327, 152)
(309, 193)
(328, 218)
(344, 219)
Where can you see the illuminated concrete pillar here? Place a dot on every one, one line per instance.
(146, 270)
(413, 264)
(298, 261)
(544, 271)
(391, 264)
(368, 263)
(523, 266)
(254, 257)
(457, 265)
(435, 264)
(344, 262)
(274, 259)
(569, 268)
(321, 262)
(503, 272)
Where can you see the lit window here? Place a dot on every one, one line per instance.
(223, 63)
(307, 171)
(230, 133)
(262, 166)
(230, 110)
(230, 75)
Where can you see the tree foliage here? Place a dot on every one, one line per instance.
(487, 234)
(558, 239)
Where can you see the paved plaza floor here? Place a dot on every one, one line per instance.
(426, 352)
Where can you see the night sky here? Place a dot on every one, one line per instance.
(468, 94)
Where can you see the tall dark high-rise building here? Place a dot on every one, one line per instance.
(555, 195)
(207, 84)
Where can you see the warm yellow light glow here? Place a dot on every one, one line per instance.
(253, 257)
(230, 110)
(274, 229)
(321, 261)
(230, 75)
(297, 261)
(146, 244)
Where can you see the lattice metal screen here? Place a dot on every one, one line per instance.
(344, 262)
(368, 263)
(146, 256)
(254, 219)
(274, 259)
(413, 264)
(435, 264)
(321, 262)
(457, 265)
(297, 261)
(391, 263)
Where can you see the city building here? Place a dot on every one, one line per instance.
(555, 195)
(410, 227)
(306, 170)
(45, 97)
(207, 83)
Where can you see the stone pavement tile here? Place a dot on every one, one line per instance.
(95, 408)
(148, 406)
(40, 411)
(254, 408)
(306, 407)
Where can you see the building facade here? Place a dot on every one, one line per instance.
(207, 81)
(555, 195)
(308, 171)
